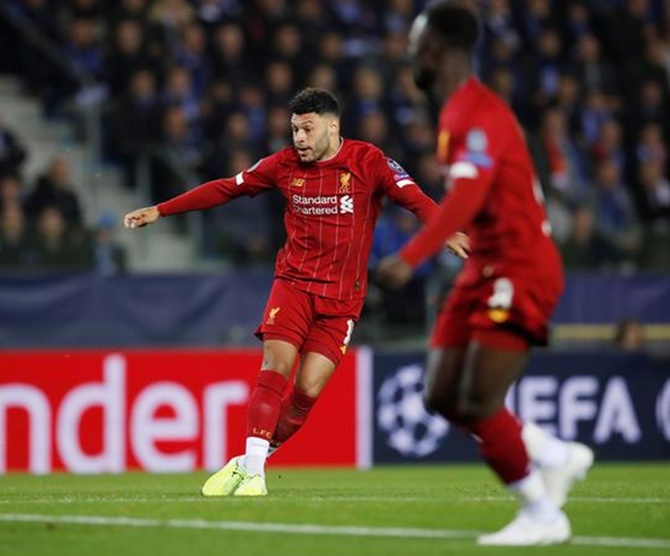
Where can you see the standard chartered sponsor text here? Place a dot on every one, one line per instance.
(306, 205)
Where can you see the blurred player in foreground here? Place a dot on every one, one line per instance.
(334, 188)
(502, 300)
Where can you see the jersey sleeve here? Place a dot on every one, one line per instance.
(474, 155)
(255, 179)
(401, 188)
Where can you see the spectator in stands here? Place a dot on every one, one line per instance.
(582, 249)
(405, 100)
(230, 61)
(136, 123)
(85, 9)
(650, 146)
(83, 50)
(625, 30)
(568, 101)
(609, 145)
(129, 55)
(373, 128)
(54, 189)
(558, 156)
(536, 17)
(655, 210)
(629, 335)
(589, 68)
(212, 13)
(180, 92)
(177, 156)
(123, 10)
(287, 47)
(191, 54)
(279, 82)
(109, 255)
(11, 191)
(499, 24)
(168, 17)
(12, 153)
(597, 110)
(616, 220)
(58, 247)
(277, 134)
(650, 107)
(322, 76)
(547, 67)
(15, 251)
(578, 21)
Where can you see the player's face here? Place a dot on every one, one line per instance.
(424, 54)
(315, 136)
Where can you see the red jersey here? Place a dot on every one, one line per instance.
(331, 210)
(494, 195)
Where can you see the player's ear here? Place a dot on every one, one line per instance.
(334, 125)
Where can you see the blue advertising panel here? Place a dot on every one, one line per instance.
(617, 403)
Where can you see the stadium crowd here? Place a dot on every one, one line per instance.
(203, 86)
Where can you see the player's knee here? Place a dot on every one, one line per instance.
(311, 388)
(472, 409)
(276, 364)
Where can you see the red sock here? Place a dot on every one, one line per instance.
(295, 408)
(501, 445)
(265, 404)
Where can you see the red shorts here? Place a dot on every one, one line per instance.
(500, 312)
(308, 321)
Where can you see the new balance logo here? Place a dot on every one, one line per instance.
(347, 205)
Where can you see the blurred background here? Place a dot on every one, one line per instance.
(107, 106)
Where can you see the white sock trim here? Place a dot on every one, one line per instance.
(544, 449)
(532, 495)
(255, 455)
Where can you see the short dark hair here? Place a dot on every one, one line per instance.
(456, 24)
(319, 101)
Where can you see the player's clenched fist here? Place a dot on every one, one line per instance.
(141, 217)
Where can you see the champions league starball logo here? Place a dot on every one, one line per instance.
(409, 428)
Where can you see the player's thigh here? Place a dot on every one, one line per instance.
(287, 317)
(279, 356)
(516, 305)
(314, 373)
(329, 336)
(449, 339)
(443, 375)
(489, 369)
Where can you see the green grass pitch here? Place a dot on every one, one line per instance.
(424, 511)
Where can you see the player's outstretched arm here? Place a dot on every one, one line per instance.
(141, 217)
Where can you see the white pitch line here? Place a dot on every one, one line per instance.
(308, 529)
(307, 498)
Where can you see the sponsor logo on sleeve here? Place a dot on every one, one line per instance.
(476, 144)
(400, 175)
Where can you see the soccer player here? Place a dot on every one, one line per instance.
(334, 189)
(502, 300)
